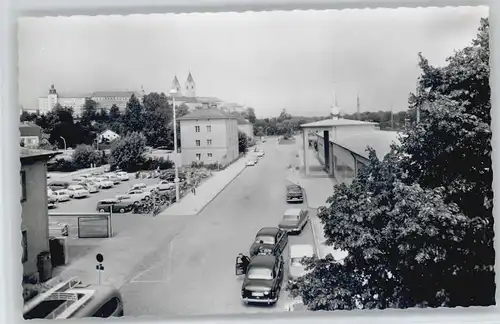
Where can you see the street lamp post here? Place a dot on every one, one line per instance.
(176, 180)
(64, 142)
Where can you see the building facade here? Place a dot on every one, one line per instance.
(107, 136)
(208, 136)
(246, 127)
(31, 135)
(34, 218)
(104, 100)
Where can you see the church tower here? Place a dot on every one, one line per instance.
(52, 97)
(177, 86)
(190, 87)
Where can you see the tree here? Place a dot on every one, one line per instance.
(403, 243)
(133, 119)
(89, 110)
(114, 113)
(84, 156)
(251, 115)
(181, 110)
(242, 142)
(128, 152)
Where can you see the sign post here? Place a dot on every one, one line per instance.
(99, 267)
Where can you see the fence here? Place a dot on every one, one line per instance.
(91, 225)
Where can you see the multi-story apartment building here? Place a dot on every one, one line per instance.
(209, 136)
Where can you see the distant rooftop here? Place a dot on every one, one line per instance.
(379, 140)
(210, 113)
(30, 129)
(335, 122)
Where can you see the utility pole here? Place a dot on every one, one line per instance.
(357, 107)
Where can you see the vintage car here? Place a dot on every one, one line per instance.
(103, 183)
(165, 185)
(139, 186)
(294, 220)
(51, 201)
(61, 195)
(90, 186)
(269, 240)
(123, 176)
(263, 279)
(77, 191)
(251, 162)
(58, 185)
(112, 177)
(297, 252)
(117, 206)
(294, 193)
(141, 194)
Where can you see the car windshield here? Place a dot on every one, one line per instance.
(294, 189)
(290, 217)
(260, 273)
(266, 239)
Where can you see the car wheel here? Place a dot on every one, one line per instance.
(101, 210)
(122, 210)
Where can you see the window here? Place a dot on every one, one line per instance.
(23, 185)
(197, 129)
(197, 142)
(209, 142)
(209, 128)
(24, 243)
(109, 309)
(198, 156)
(209, 155)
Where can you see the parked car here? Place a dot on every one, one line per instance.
(141, 193)
(139, 186)
(294, 220)
(117, 206)
(260, 153)
(50, 192)
(90, 186)
(297, 252)
(251, 162)
(123, 176)
(294, 193)
(103, 183)
(130, 199)
(263, 279)
(51, 201)
(57, 229)
(169, 175)
(269, 240)
(112, 177)
(165, 185)
(58, 185)
(77, 191)
(78, 179)
(61, 195)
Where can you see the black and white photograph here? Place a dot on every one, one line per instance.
(195, 164)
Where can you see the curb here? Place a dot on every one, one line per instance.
(227, 184)
(316, 244)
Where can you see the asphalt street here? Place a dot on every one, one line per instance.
(194, 274)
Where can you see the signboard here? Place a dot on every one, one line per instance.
(93, 227)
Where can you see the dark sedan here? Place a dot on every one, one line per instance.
(118, 206)
(269, 240)
(263, 280)
(294, 193)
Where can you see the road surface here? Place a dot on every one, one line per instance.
(194, 274)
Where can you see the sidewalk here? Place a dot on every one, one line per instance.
(322, 250)
(192, 204)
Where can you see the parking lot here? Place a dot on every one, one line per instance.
(120, 222)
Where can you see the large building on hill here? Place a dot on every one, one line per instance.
(104, 100)
(209, 136)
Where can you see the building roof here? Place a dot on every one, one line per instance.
(30, 129)
(28, 155)
(334, 123)
(210, 113)
(268, 231)
(190, 78)
(379, 140)
(115, 93)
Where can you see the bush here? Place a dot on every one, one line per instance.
(197, 165)
(85, 155)
(212, 166)
(154, 163)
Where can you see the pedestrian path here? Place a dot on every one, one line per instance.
(322, 250)
(193, 203)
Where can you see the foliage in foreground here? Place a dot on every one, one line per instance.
(128, 153)
(418, 225)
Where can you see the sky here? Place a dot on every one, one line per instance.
(294, 60)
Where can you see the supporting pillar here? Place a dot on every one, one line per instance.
(305, 150)
(326, 144)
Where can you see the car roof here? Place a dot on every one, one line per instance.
(300, 250)
(265, 261)
(293, 211)
(268, 231)
(107, 200)
(293, 186)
